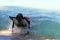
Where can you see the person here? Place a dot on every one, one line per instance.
(19, 23)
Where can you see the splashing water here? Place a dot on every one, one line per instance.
(9, 27)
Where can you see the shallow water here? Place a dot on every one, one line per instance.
(43, 23)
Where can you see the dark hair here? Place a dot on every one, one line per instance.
(19, 16)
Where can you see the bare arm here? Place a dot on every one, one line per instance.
(12, 23)
(28, 20)
(11, 17)
(12, 26)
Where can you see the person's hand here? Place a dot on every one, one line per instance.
(12, 29)
(9, 16)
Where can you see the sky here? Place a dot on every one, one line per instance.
(38, 4)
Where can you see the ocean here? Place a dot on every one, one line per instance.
(44, 23)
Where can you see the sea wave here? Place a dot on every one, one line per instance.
(43, 23)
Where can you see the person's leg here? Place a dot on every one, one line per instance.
(28, 27)
(27, 30)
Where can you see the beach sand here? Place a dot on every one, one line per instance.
(7, 35)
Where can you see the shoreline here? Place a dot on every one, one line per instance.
(5, 32)
(7, 35)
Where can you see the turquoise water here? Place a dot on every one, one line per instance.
(43, 22)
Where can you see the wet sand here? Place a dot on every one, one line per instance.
(7, 35)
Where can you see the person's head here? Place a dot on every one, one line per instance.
(20, 16)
